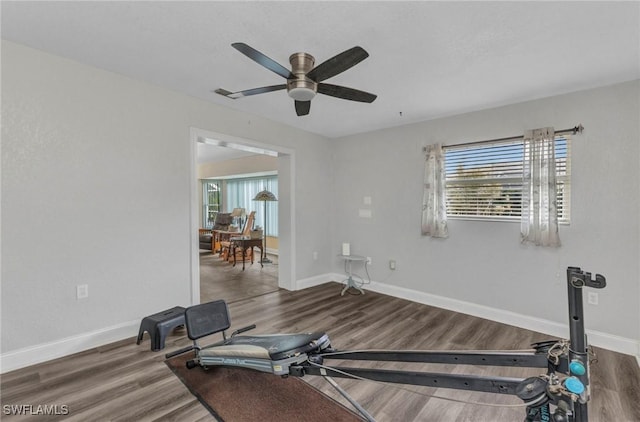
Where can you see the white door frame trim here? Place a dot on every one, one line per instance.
(286, 206)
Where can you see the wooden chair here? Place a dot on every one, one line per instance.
(225, 245)
(208, 237)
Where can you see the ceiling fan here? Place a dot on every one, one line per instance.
(304, 80)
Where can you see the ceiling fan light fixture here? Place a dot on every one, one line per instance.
(301, 89)
(302, 94)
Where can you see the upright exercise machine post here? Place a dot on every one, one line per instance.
(578, 349)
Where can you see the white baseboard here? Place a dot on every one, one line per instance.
(596, 338)
(32, 355)
(39, 353)
(313, 281)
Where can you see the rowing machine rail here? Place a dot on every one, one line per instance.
(564, 387)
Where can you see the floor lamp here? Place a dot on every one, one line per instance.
(265, 196)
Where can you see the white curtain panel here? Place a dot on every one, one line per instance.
(539, 223)
(434, 203)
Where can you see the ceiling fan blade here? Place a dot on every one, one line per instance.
(338, 64)
(248, 92)
(346, 93)
(303, 107)
(263, 60)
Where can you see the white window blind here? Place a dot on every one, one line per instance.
(484, 180)
(240, 193)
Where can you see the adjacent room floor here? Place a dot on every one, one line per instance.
(219, 279)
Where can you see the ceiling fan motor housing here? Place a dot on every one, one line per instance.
(301, 88)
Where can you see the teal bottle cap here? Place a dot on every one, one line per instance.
(576, 367)
(574, 385)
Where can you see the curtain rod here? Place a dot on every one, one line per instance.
(573, 131)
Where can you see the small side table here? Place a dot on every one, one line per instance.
(245, 242)
(350, 259)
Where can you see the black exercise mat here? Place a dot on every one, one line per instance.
(236, 394)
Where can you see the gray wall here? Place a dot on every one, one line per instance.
(96, 184)
(483, 262)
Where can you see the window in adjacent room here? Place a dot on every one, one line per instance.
(210, 202)
(484, 180)
(239, 193)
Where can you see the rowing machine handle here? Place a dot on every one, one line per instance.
(178, 352)
(242, 330)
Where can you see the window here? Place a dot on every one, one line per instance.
(484, 180)
(239, 193)
(210, 202)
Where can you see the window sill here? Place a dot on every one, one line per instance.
(497, 220)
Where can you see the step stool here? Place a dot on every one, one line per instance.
(159, 325)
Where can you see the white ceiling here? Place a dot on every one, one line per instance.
(427, 59)
(210, 153)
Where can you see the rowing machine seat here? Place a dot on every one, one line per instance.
(267, 353)
(273, 347)
(206, 319)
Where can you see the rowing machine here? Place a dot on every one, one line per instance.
(563, 388)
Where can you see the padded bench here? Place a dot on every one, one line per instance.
(160, 325)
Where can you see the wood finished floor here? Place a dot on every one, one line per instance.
(126, 382)
(219, 279)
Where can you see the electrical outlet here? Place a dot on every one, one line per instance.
(392, 264)
(364, 213)
(82, 291)
(368, 260)
(592, 298)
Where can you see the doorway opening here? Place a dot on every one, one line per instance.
(234, 147)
